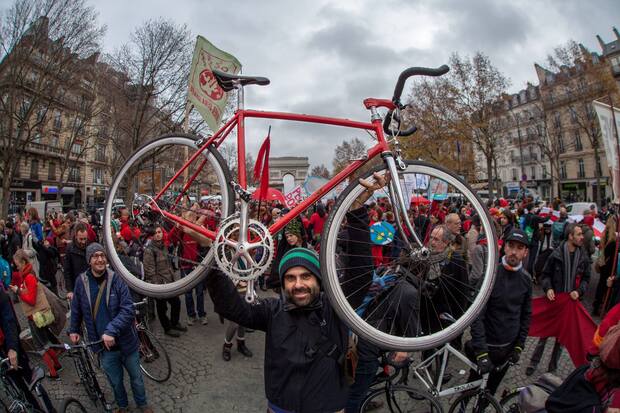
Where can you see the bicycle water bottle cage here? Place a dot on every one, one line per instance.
(228, 82)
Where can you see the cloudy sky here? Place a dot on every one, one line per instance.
(324, 57)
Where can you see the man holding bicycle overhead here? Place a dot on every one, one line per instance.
(305, 344)
(499, 333)
(103, 302)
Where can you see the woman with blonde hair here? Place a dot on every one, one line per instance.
(605, 263)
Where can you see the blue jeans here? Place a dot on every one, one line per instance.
(189, 298)
(113, 363)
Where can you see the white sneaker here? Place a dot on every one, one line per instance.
(190, 321)
(204, 321)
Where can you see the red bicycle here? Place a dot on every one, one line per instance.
(165, 171)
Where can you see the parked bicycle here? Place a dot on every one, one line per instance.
(392, 394)
(243, 248)
(85, 363)
(15, 401)
(154, 359)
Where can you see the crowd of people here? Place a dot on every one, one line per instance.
(59, 255)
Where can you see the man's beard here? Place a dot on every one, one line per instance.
(309, 299)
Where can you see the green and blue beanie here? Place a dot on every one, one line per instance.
(300, 257)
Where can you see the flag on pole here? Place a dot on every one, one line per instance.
(203, 91)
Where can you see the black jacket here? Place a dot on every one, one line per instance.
(48, 264)
(75, 264)
(506, 317)
(299, 374)
(534, 221)
(553, 273)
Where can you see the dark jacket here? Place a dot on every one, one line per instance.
(299, 374)
(506, 317)
(120, 307)
(553, 273)
(8, 323)
(48, 264)
(13, 243)
(157, 266)
(74, 265)
(534, 221)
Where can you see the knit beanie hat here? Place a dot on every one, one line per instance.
(302, 257)
(92, 249)
(294, 228)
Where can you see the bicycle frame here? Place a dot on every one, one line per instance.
(238, 121)
(435, 390)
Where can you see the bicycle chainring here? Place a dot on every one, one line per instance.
(247, 261)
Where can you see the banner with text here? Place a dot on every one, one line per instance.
(204, 92)
(608, 133)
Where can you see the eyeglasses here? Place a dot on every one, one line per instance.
(99, 255)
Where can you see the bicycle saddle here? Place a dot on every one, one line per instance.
(37, 375)
(227, 81)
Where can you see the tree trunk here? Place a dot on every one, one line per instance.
(490, 181)
(5, 196)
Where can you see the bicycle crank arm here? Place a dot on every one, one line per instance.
(250, 293)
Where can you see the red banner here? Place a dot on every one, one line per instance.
(567, 321)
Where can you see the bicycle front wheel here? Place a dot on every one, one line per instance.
(481, 402)
(154, 359)
(397, 399)
(399, 295)
(138, 181)
(71, 405)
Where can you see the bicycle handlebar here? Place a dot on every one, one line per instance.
(415, 71)
(68, 347)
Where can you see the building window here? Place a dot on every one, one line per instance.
(41, 114)
(100, 153)
(573, 114)
(578, 145)
(514, 174)
(563, 169)
(599, 169)
(581, 173)
(558, 121)
(561, 143)
(54, 141)
(533, 173)
(74, 174)
(98, 176)
(76, 148)
(37, 137)
(51, 173)
(34, 169)
(544, 172)
(57, 120)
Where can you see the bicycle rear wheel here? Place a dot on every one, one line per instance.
(407, 308)
(154, 359)
(71, 405)
(138, 180)
(481, 402)
(398, 399)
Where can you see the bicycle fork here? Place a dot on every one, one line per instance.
(398, 201)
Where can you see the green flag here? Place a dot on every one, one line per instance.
(204, 92)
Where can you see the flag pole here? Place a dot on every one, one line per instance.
(188, 109)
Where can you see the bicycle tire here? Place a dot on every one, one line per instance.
(510, 402)
(71, 405)
(397, 399)
(145, 335)
(189, 281)
(462, 403)
(88, 377)
(332, 273)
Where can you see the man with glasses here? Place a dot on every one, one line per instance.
(102, 300)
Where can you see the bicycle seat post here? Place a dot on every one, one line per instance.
(240, 97)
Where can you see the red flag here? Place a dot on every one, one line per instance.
(567, 321)
(261, 169)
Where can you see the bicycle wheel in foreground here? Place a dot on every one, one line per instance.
(400, 399)
(143, 175)
(398, 295)
(71, 405)
(154, 359)
(481, 402)
(510, 402)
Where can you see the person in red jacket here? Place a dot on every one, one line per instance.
(27, 292)
(611, 319)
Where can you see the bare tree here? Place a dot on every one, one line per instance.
(346, 152)
(320, 170)
(43, 45)
(473, 86)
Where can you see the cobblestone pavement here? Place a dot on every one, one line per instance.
(202, 382)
